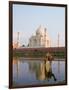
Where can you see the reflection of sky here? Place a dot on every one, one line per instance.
(26, 19)
(59, 69)
(26, 75)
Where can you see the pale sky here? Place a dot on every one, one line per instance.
(27, 18)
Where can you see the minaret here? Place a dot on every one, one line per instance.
(45, 37)
(58, 40)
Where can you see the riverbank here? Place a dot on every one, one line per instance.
(30, 58)
(40, 52)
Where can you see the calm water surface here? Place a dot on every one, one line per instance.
(30, 72)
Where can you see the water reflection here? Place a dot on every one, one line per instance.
(42, 70)
(36, 71)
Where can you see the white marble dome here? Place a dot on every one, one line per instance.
(40, 39)
(40, 30)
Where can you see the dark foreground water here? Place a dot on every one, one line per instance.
(32, 72)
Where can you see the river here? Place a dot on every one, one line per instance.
(37, 72)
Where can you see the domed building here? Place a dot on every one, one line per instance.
(40, 39)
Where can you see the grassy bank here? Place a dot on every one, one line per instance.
(38, 54)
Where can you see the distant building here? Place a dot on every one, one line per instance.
(16, 45)
(40, 39)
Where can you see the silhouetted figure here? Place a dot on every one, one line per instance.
(48, 70)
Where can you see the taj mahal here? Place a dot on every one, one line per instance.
(40, 39)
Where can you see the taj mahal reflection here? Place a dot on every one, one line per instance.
(27, 72)
(43, 71)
